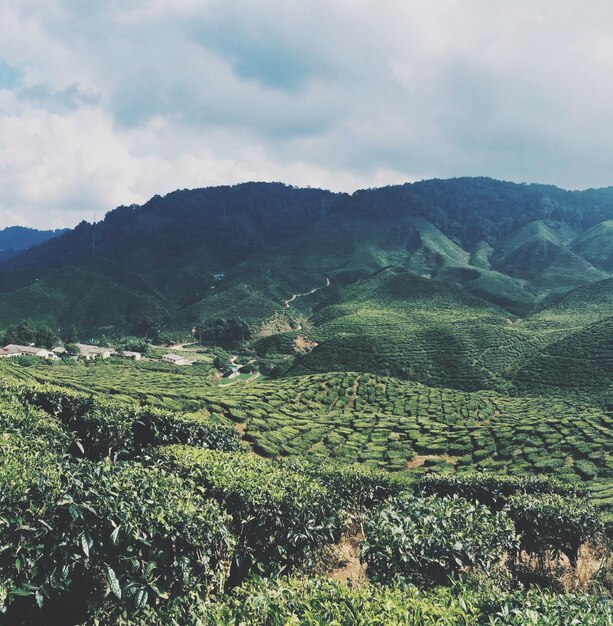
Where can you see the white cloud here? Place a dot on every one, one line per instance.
(117, 101)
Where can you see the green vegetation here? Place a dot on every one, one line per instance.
(142, 530)
(434, 423)
(429, 540)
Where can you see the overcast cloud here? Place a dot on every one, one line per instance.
(109, 102)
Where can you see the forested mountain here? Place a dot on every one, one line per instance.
(421, 280)
(16, 239)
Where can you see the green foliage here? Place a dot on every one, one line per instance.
(26, 333)
(427, 540)
(223, 330)
(282, 518)
(133, 344)
(554, 522)
(353, 487)
(107, 427)
(317, 601)
(493, 490)
(539, 608)
(140, 533)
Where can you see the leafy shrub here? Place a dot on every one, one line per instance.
(353, 487)
(282, 518)
(78, 531)
(314, 602)
(427, 540)
(554, 522)
(317, 601)
(539, 608)
(106, 427)
(493, 490)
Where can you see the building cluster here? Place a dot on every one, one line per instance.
(86, 352)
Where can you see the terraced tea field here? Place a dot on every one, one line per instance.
(389, 423)
(151, 382)
(402, 325)
(381, 421)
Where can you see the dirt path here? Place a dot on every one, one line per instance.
(308, 293)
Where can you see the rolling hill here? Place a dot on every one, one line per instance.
(460, 282)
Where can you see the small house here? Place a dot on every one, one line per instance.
(175, 359)
(14, 350)
(89, 353)
(129, 354)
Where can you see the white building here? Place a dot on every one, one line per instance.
(14, 350)
(176, 359)
(128, 354)
(89, 353)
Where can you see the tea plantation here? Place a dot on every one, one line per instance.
(120, 506)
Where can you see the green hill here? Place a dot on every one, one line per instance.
(455, 283)
(596, 245)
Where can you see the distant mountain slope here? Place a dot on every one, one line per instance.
(402, 325)
(16, 239)
(596, 245)
(581, 360)
(429, 281)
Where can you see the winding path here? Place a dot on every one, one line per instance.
(308, 293)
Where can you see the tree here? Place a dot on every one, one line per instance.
(71, 335)
(72, 349)
(223, 329)
(26, 331)
(45, 337)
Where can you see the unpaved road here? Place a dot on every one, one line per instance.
(308, 293)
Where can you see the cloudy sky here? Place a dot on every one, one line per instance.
(107, 102)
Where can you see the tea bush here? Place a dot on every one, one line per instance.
(554, 522)
(80, 531)
(493, 490)
(310, 602)
(107, 427)
(281, 517)
(354, 487)
(428, 540)
(318, 602)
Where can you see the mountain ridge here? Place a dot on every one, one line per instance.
(442, 281)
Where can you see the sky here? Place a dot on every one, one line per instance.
(108, 102)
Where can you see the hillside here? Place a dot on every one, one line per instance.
(447, 282)
(16, 239)
(429, 361)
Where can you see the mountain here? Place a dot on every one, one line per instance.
(16, 239)
(457, 282)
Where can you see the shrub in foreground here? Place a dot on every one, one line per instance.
(428, 540)
(556, 523)
(282, 518)
(319, 602)
(73, 533)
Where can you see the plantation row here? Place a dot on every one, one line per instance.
(429, 347)
(427, 331)
(387, 423)
(582, 361)
(152, 382)
(113, 513)
(384, 422)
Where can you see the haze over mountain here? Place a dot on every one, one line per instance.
(16, 239)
